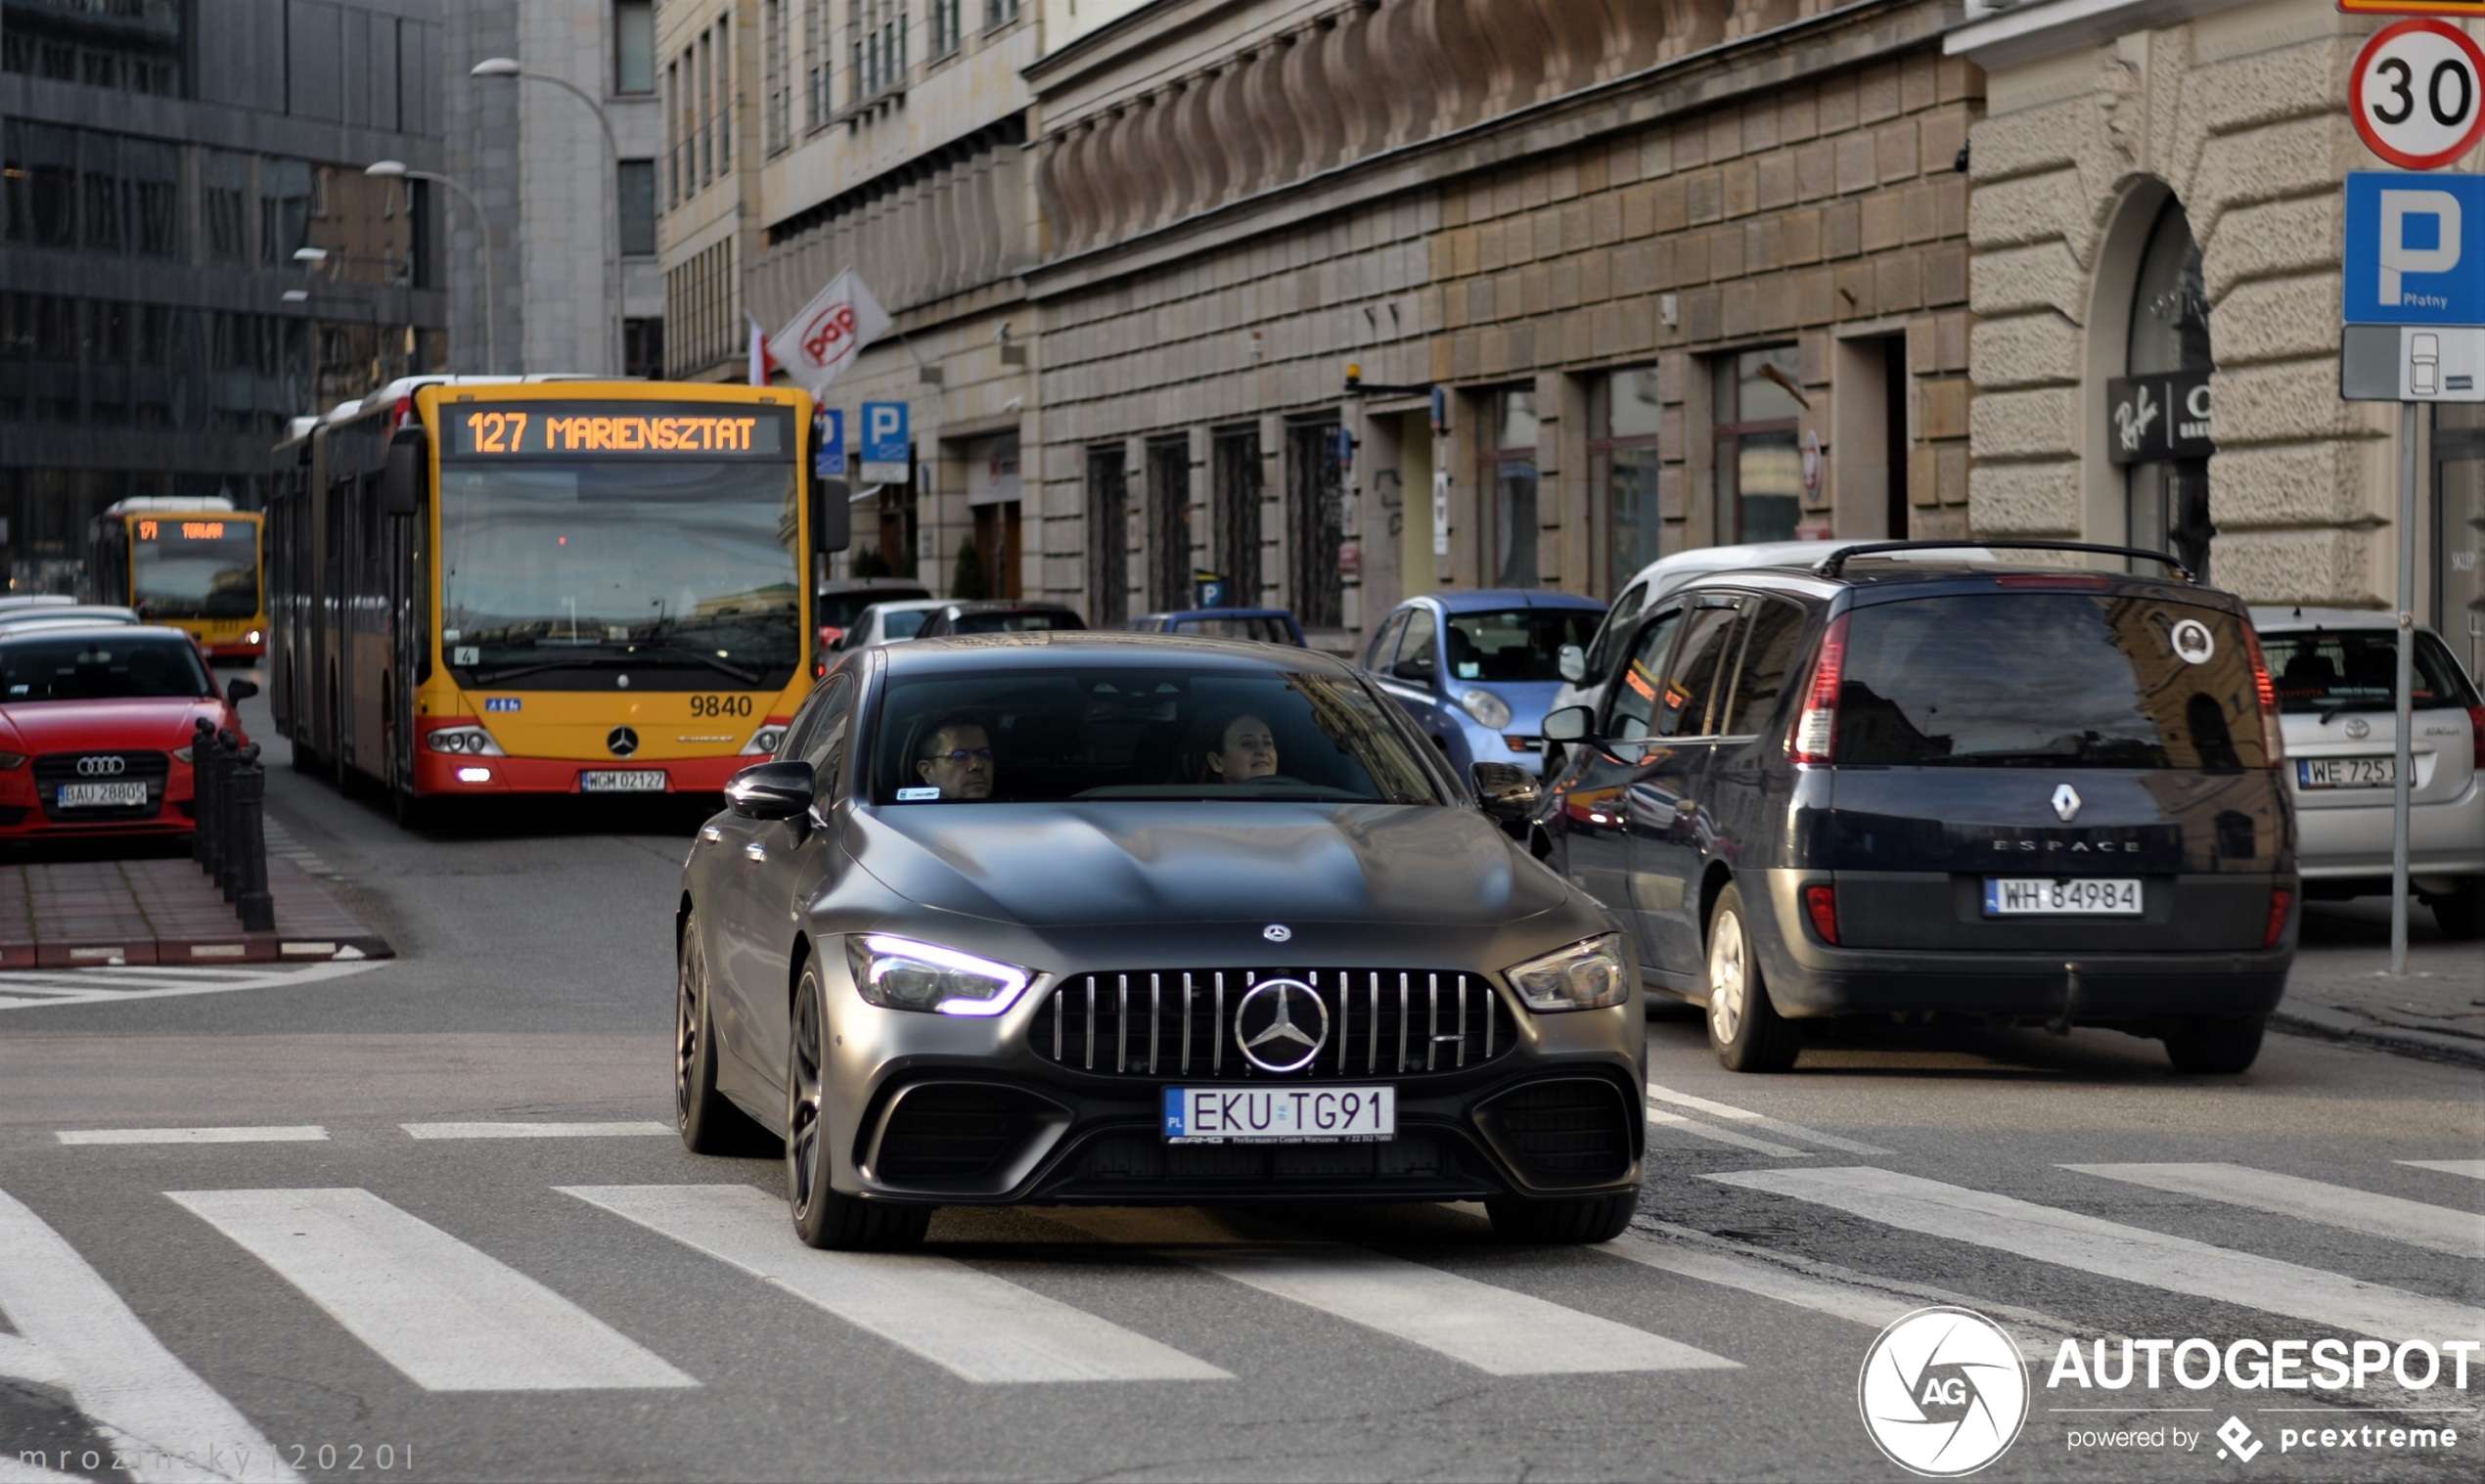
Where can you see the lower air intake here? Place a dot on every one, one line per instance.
(1577, 1131)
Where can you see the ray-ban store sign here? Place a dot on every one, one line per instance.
(2157, 417)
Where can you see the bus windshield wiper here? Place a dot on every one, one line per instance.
(654, 657)
(746, 677)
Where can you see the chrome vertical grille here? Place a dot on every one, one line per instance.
(1382, 1023)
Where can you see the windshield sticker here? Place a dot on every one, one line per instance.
(1469, 669)
(466, 653)
(917, 795)
(2193, 641)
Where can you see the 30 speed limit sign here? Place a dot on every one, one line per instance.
(2417, 96)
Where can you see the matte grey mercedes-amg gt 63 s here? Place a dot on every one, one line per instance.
(1127, 919)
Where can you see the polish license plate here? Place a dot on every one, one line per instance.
(621, 781)
(2040, 896)
(1280, 1115)
(2346, 772)
(120, 795)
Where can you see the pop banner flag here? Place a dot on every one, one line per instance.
(819, 343)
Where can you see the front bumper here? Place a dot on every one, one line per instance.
(2334, 840)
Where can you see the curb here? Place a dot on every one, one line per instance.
(2326, 1024)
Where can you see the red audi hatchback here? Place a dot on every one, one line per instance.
(96, 727)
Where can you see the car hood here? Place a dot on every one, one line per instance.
(1095, 864)
(60, 725)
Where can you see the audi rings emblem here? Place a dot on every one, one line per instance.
(623, 741)
(102, 767)
(1266, 1027)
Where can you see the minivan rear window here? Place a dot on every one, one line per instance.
(2358, 670)
(2052, 680)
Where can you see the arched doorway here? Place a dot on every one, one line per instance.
(2160, 406)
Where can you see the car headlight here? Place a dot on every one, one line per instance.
(464, 742)
(765, 742)
(1486, 707)
(9, 760)
(899, 973)
(1588, 975)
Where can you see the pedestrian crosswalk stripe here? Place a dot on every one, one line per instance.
(1795, 1131)
(2110, 1249)
(446, 1315)
(2462, 1234)
(1699, 1130)
(642, 1128)
(34, 989)
(2473, 1169)
(975, 1325)
(298, 1133)
(73, 1331)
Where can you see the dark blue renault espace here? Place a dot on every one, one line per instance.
(2017, 794)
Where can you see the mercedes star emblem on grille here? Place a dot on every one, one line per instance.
(623, 741)
(2065, 803)
(1277, 932)
(1266, 1028)
(102, 767)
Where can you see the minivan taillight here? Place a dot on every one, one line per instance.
(1815, 730)
(2272, 731)
(1820, 904)
(2476, 733)
(2282, 903)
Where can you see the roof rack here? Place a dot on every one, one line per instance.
(1836, 562)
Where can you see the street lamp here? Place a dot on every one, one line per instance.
(395, 169)
(508, 66)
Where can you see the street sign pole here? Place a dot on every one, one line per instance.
(2403, 771)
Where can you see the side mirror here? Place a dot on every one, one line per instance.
(1507, 792)
(831, 516)
(1419, 671)
(237, 690)
(770, 790)
(401, 478)
(1569, 724)
(1572, 660)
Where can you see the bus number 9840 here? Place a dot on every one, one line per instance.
(720, 706)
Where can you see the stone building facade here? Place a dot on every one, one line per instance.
(1681, 274)
(2156, 206)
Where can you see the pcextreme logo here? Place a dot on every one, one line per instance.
(1943, 1392)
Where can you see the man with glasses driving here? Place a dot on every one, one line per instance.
(956, 757)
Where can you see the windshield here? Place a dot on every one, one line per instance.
(1515, 644)
(183, 569)
(1224, 734)
(1035, 621)
(841, 610)
(1267, 628)
(903, 623)
(101, 667)
(680, 574)
(2359, 671)
(2051, 679)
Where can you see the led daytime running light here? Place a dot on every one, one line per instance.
(876, 957)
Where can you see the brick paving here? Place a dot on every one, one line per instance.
(82, 914)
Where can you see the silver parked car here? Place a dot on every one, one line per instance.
(2336, 674)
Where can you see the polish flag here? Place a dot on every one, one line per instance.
(762, 359)
(817, 345)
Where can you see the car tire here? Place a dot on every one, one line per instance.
(2460, 914)
(1744, 1027)
(707, 1120)
(824, 1217)
(2213, 1046)
(1566, 1221)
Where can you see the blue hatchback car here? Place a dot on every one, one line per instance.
(1477, 670)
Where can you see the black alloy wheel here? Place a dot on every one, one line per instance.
(823, 1217)
(708, 1122)
(2215, 1047)
(1563, 1221)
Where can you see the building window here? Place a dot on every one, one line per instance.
(1759, 473)
(1107, 537)
(151, 197)
(637, 180)
(1233, 478)
(133, 46)
(42, 180)
(944, 27)
(998, 13)
(1511, 478)
(634, 46)
(2169, 497)
(642, 348)
(778, 115)
(1169, 523)
(1316, 522)
(724, 113)
(1622, 457)
(285, 211)
(224, 192)
(815, 59)
(879, 47)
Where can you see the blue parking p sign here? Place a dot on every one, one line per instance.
(2415, 249)
(884, 432)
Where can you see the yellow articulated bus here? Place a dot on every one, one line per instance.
(193, 564)
(488, 585)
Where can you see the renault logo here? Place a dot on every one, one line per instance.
(2065, 803)
(102, 767)
(1281, 1026)
(621, 741)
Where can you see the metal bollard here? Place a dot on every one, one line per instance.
(228, 750)
(248, 788)
(202, 758)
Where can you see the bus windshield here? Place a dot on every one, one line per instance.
(183, 567)
(679, 574)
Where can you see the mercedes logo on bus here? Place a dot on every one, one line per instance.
(623, 741)
(102, 767)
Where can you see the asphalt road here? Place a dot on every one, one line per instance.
(357, 1301)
